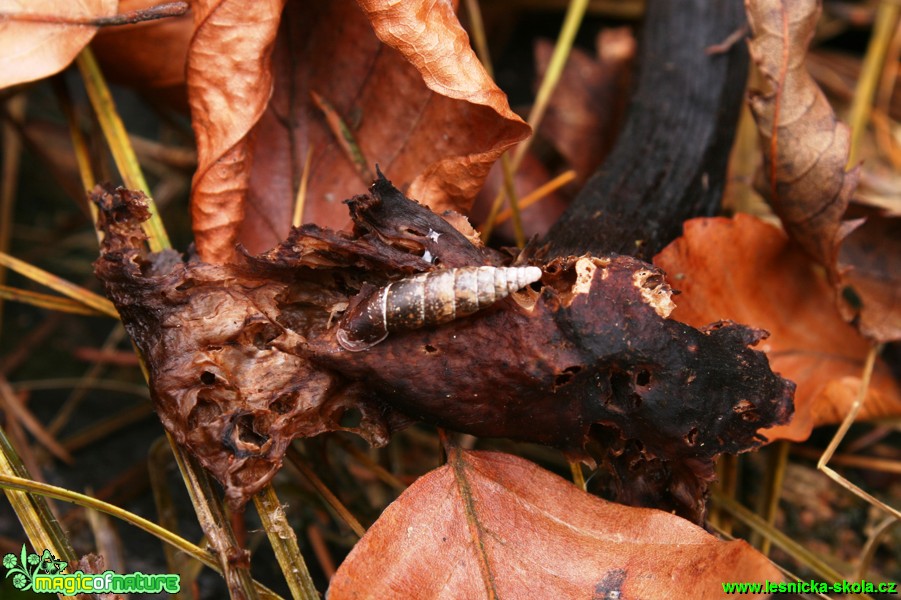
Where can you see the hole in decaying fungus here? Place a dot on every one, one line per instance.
(262, 337)
(643, 378)
(747, 410)
(351, 418)
(621, 386)
(430, 348)
(691, 438)
(207, 378)
(566, 375)
(283, 404)
(205, 410)
(247, 433)
(242, 437)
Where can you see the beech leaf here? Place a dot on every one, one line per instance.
(41, 37)
(805, 146)
(746, 270)
(491, 525)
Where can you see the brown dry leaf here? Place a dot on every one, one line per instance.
(746, 270)
(148, 56)
(42, 39)
(417, 102)
(229, 85)
(805, 152)
(805, 146)
(589, 104)
(491, 525)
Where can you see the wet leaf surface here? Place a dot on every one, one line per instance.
(746, 270)
(244, 357)
(45, 37)
(494, 525)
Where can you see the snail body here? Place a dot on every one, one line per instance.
(429, 299)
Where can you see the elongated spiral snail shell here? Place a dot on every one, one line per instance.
(429, 299)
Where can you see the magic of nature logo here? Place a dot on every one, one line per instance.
(45, 573)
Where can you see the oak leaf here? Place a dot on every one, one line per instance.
(491, 525)
(746, 270)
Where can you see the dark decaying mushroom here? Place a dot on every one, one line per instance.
(245, 357)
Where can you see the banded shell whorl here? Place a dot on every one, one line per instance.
(429, 299)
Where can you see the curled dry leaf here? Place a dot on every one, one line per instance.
(41, 37)
(806, 149)
(243, 357)
(805, 146)
(473, 125)
(491, 525)
(417, 102)
(746, 270)
(229, 84)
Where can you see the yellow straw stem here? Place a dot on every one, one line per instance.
(119, 144)
(871, 71)
(539, 194)
(284, 544)
(47, 301)
(574, 14)
(58, 284)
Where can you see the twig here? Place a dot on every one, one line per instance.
(151, 13)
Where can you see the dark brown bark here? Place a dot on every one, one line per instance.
(669, 163)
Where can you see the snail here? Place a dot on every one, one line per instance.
(429, 299)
